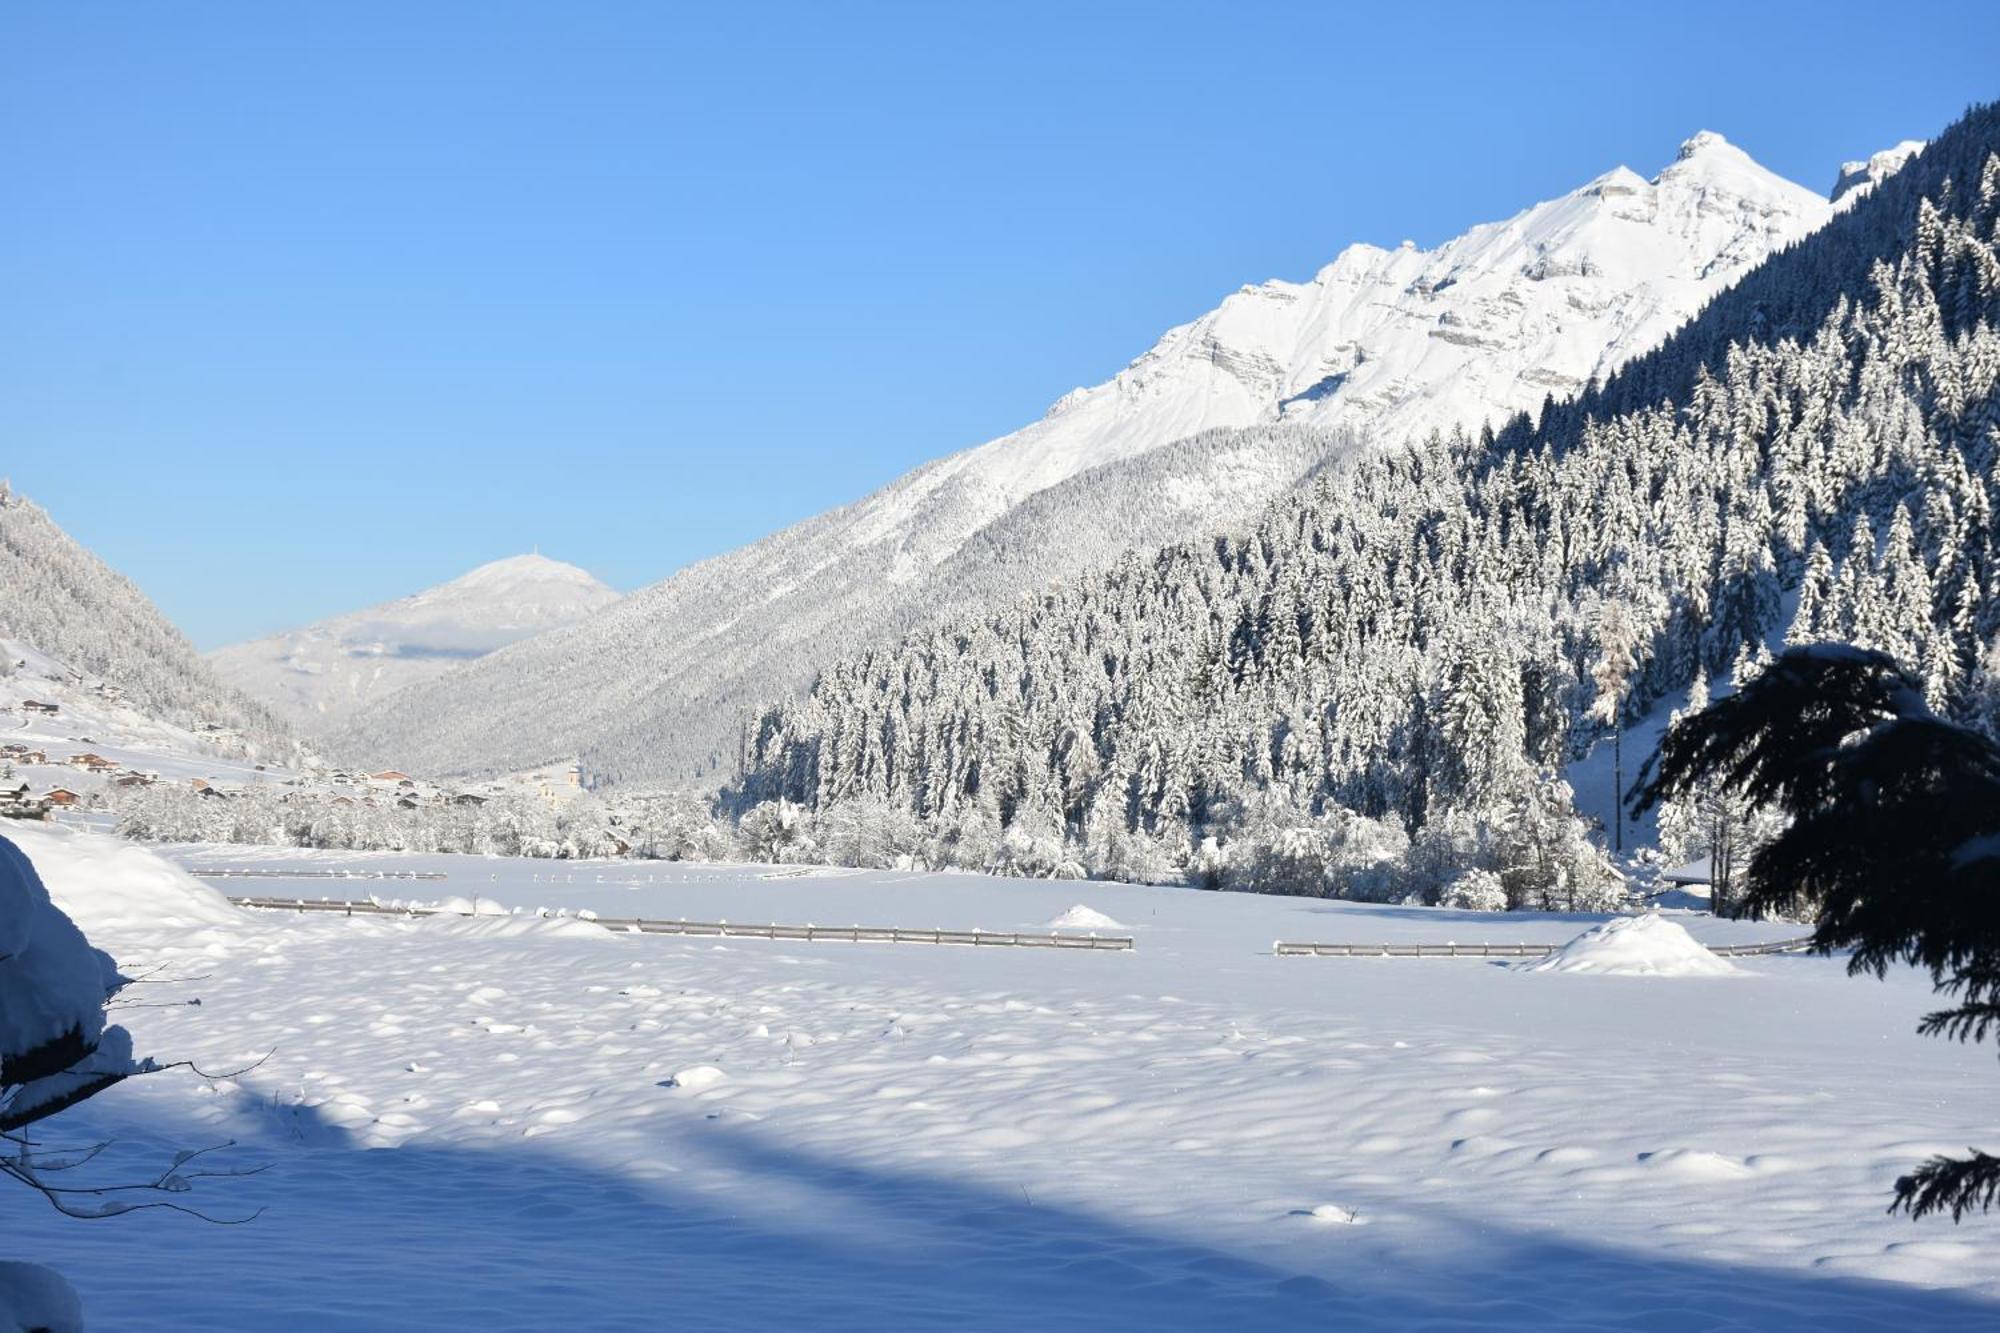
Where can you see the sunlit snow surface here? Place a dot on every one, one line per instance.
(505, 1124)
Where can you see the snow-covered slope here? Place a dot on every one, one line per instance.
(320, 673)
(94, 716)
(75, 632)
(1382, 345)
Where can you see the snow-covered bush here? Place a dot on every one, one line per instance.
(1131, 858)
(1535, 844)
(1033, 847)
(1475, 891)
(965, 839)
(871, 831)
(674, 826)
(1450, 844)
(1208, 863)
(1548, 859)
(1338, 854)
(777, 831)
(1113, 849)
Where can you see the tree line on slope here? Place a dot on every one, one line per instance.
(1394, 667)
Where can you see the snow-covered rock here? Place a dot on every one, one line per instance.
(1636, 946)
(1384, 345)
(324, 671)
(1858, 178)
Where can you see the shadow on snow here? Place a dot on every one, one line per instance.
(764, 1235)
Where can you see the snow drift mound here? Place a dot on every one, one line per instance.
(105, 884)
(512, 926)
(1635, 946)
(34, 1297)
(1080, 917)
(456, 906)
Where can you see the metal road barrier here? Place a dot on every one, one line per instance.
(260, 872)
(732, 930)
(1286, 949)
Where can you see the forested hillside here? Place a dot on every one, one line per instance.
(58, 598)
(1418, 644)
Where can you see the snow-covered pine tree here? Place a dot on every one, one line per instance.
(1893, 841)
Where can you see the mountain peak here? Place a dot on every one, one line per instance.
(1704, 141)
(1707, 160)
(532, 567)
(325, 670)
(1858, 178)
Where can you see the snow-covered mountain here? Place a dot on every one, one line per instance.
(321, 673)
(1396, 343)
(1382, 345)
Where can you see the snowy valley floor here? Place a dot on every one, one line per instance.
(505, 1124)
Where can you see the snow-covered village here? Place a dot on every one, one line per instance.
(886, 667)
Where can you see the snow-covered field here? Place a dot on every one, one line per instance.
(503, 1123)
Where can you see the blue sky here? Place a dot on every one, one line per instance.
(303, 307)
